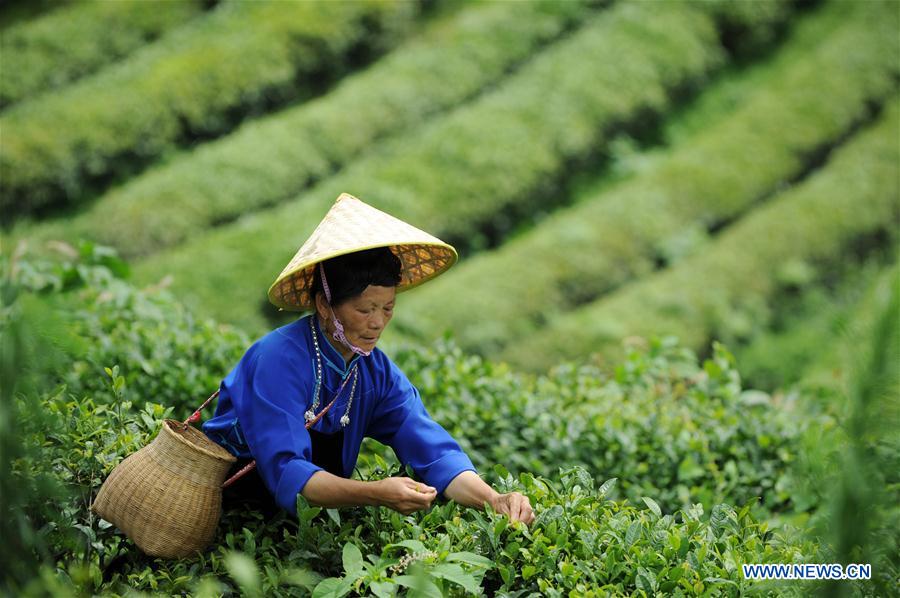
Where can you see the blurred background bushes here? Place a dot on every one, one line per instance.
(678, 229)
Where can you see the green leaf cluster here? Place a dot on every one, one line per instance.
(549, 118)
(724, 291)
(665, 425)
(273, 158)
(197, 82)
(683, 438)
(609, 238)
(77, 40)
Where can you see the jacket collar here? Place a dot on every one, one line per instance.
(331, 356)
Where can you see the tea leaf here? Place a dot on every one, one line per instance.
(352, 560)
(652, 505)
(333, 587)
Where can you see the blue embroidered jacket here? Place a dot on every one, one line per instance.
(262, 402)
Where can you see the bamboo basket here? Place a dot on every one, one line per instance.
(167, 497)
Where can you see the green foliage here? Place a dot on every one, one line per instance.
(581, 540)
(722, 292)
(271, 159)
(547, 118)
(609, 238)
(852, 468)
(553, 115)
(77, 443)
(814, 344)
(199, 81)
(676, 433)
(174, 358)
(52, 453)
(90, 365)
(664, 425)
(24, 357)
(866, 507)
(16, 12)
(746, 26)
(77, 40)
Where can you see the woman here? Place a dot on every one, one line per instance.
(323, 372)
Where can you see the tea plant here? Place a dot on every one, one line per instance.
(581, 541)
(798, 109)
(684, 438)
(664, 424)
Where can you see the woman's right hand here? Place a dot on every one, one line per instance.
(404, 494)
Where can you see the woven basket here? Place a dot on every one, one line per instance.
(167, 497)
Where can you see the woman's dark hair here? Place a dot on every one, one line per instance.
(349, 275)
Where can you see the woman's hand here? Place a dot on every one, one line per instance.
(516, 506)
(470, 490)
(401, 494)
(404, 494)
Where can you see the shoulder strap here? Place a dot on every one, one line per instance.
(195, 417)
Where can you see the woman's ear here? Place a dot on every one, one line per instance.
(322, 307)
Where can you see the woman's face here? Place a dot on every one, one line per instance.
(364, 317)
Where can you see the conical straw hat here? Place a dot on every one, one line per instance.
(351, 225)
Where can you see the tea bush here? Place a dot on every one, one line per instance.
(664, 425)
(199, 81)
(789, 117)
(550, 117)
(811, 346)
(452, 60)
(855, 467)
(77, 40)
(681, 436)
(581, 540)
(166, 354)
(865, 509)
(78, 441)
(723, 292)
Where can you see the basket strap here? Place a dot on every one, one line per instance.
(195, 416)
(252, 465)
(239, 474)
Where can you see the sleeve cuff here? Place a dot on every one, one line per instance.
(441, 472)
(293, 478)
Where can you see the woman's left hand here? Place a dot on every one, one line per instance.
(469, 489)
(515, 505)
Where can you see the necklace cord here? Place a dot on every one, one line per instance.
(311, 420)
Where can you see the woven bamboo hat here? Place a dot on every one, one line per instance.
(352, 225)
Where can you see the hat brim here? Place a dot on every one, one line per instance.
(420, 262)
(350, 226)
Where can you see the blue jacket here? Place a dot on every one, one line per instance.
(263, 399)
